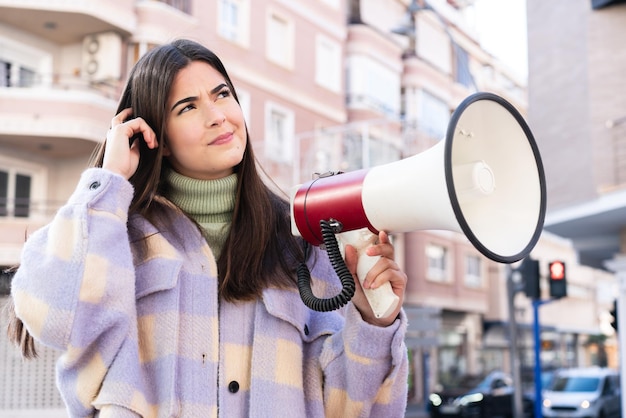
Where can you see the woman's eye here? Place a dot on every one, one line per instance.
(224, 93)
(186, 108)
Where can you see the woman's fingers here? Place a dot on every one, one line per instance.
(121, 117)
(384, 270)
(122, 151)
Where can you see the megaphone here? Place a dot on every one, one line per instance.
(485, 180)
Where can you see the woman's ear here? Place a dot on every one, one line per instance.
(166, 150)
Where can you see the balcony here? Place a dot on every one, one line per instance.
(160, 21)
(68, 21)
(54, 122)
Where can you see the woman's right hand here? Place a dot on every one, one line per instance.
(120, 156)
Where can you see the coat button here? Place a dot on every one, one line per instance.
(306, 329)
(94, 185)
(233, 387)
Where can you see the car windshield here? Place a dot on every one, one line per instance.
(575, 384)
(487, 383)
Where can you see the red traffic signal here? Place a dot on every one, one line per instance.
(558, 282)
(557, 270)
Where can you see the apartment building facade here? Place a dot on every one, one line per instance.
(324, 85)
(577, 111)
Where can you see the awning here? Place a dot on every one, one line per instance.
(594, 227)
(599, 4)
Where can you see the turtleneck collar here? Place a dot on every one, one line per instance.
(206, 201)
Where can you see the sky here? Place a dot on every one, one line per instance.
(501, 26)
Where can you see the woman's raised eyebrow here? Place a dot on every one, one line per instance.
(218, 88)
(181, 101)
(215, 90)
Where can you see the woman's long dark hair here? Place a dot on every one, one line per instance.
(260, 250)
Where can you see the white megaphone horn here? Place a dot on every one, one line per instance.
(485, 180)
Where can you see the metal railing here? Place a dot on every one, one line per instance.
(182, 5)
(25, 208)
(66, 82)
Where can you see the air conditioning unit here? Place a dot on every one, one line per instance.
(102, 57)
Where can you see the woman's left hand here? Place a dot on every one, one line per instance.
(385, 270)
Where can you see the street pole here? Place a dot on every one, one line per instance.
(518, 411)
(618, 266)
(537, 338)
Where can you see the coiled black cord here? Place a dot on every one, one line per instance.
(339, 265)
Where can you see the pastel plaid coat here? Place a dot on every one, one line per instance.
(135, 311)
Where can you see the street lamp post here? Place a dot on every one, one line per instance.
(618, 266)
(514, 286)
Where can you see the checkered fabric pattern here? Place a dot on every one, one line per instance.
(136, 313)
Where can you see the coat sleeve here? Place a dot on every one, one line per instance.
(74, 289)
(365, 367)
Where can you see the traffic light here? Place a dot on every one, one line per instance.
(557, 279)
(529, 269)
(614, 313)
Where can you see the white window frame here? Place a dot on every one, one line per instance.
(280, 48)
(438, 263)
(434, 115)
(372, 85)
(245, 102)
(473, 271)
(22, 56)
(279, 145)
(227, 12)
(37, 204)
(328, 69)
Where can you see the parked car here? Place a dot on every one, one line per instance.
(492, 397)
(583, 392)
(547, 376)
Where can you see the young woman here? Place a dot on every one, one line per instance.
(168, 279)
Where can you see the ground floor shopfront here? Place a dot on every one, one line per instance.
(467, 345)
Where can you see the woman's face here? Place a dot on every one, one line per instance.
(204, 124)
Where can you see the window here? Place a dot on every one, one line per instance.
(27, 77)
(182, 5)
(21, 65)
(382, 152)
(361, 150)
(234, 20)
(372, 85)
(434, 44)
(15, 194)
(12, 75)
(328, 63)
(463, 74)
(280, 40)
(5, 74)
(434, 115)
(437, 256)
(245, 103)
(6, 275)
(473, 276)
(279, 126)
(4, 193)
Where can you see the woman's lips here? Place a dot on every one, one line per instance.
(222, 139)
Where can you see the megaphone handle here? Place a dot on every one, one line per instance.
(382, 299)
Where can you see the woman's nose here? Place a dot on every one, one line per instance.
(214, 115)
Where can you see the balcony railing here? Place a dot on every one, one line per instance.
(28, 209)
(110, 89)
(182, 5)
